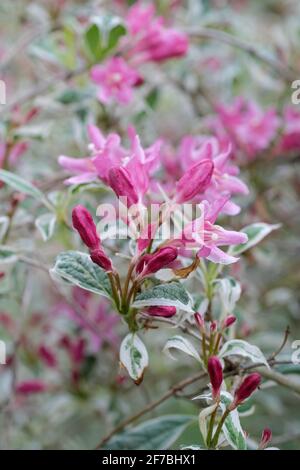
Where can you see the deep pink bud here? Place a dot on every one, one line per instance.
(199, 320)
(47, 356)
(120, 181)
(195, 181)
(215, 371)
(161, 311)
(84, 224)
(247, 387)
(160, 259)
(266, 437)
(230, 320)
(142, 263)
(213, 326)
(101, 259)
(29, 387)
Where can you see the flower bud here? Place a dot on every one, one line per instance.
(85, 226)
(266, 437)
(247, 387)
(230, 320)
(29, 387)
(213, 326)
(101, 259)
(120, 181)
(215, 372)
(160, 260)
(195, 181)
(161, 311)
(199, 320)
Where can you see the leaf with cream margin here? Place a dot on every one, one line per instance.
(134, 357)
(169, 295)
(239, 347)
(184, 345)
(256, 233)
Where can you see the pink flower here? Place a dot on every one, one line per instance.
(249, 126)
(99, 257)
(202, 233)
(107, 152)
(116, 80)
(215, 371)
(150, 39)
(29, 387)
(122, 184)
(223, 177)
(161, 311)
(290, 140)
(194, 181)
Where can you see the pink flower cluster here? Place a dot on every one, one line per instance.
(204, 175)
(251, 130)
(148, 40)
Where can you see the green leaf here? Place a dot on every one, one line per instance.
(77, 268)
(239, 347)
(232, 427)
(155, 434)
(172, 294)
(7, 255)
(114, 36)
(184, 345)
(93, 42)
(46, 225)
(134, 357)
(4, 224)
(256, 232)
(19, 184)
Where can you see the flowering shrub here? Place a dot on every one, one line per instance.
(148, 187)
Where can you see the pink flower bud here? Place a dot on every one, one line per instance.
(161, 311)
(195, 181)
(84, 224)
(215, 371)
(199, 320)
(29, 387)
(247, 387)
(213, 326)
(160, 259)
(47, 356)
(121, 183)
(266, 437)
(101, 259)
(230, 320)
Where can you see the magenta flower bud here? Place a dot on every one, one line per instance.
(213, 326)
(199, 320)
(101, 259)
(160, 259)
(142, 263)
(215, 371)
(161, 311)
(230, 320)
(120, 181)
(195, 181)
(47, 356)
(247, 387)
(85, 226)
(266, 438)
(29, 387)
